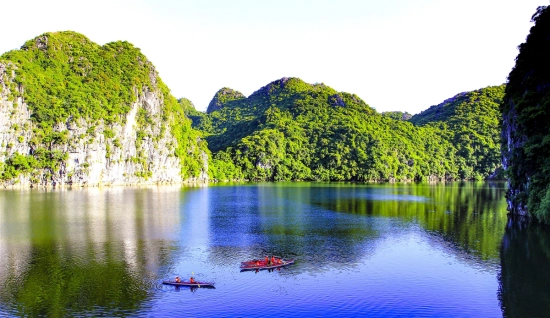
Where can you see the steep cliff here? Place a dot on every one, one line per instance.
(525, 129)
(74, 112)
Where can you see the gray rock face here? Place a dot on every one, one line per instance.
(525, 130)
(123, 153)
(513, 141)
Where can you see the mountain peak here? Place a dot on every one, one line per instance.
(223, 96)
(61, 40)
(285, 83)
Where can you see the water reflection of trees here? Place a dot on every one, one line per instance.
(84, 250)
(296, 220)
(95, 250)
(47, 288)
(524, 278)
(469, 215)
(280, 221)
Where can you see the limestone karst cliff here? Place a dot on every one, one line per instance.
(525, 128)
(74, 112)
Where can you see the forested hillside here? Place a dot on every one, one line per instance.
(74, 111)
(292, 130)
(472, 120)
(526, 129)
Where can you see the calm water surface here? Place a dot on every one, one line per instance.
(372, 250)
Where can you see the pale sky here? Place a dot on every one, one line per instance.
(395, 54)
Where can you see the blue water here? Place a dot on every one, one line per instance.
(422, 250)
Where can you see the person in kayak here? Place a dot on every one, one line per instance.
(178, 280)
(192, 280)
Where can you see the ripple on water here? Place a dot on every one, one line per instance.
(372, 251)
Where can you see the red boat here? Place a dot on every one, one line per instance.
(262, 264)
(188, 284)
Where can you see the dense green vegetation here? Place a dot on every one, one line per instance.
(292, 130)
(526, 133)
(64, 77)
(472, 122)
(222, 97)
(287, 130)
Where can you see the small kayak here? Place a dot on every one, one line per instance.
(188, 284)
(261, 262)
(251, 265)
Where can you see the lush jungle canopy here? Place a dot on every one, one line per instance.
(292, 130)
(287, 130)
(63, 76)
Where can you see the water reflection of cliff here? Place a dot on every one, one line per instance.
(82, 250)
(525, 279)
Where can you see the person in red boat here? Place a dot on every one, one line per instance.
(273, 260)
(257, 263)
(178, 280)
(267, 260)
(192, 280)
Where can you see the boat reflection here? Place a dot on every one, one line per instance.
(192, 289)
(269, 270)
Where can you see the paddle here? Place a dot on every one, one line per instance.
(193, 273)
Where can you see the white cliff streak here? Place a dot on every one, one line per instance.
(119, 157)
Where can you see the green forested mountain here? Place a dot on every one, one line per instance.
(222, 98)
(472, 119)
(525, 128)
(287, 130)
(472, 104)
(67, 81)
(292, 130)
